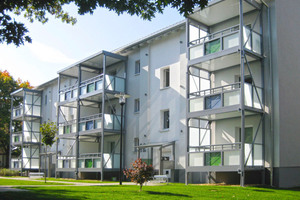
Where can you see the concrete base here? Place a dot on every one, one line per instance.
(287, 177)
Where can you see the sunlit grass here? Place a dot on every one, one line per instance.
(26, 182)
(171, 191)
(76, 181)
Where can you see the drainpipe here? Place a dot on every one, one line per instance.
(242, 103)
(271, 96)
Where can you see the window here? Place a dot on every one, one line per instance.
(136, 143)
(137, 67)
(45, 99)
(165, 78)
(136, 105)
(248, 135)
(165, 119)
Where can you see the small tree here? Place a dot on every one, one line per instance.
(139, 173)
(48, 131)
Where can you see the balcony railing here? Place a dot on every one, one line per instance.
(90, 161)
(223, 40)
(112, 83)
(92, 122)
(223, 96)
(16, 163)
(17, 111)
(225, 155)
(16, 137)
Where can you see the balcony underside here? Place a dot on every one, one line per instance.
(89, 99)
(233, 168)
(222, 59)
(223, 113)
(26, 118)
(89, 135)
(215, 13)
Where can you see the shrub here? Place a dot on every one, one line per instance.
(139, 173)
(8, 172)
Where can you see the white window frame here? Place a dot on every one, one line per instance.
(137, 105)
(163, 120)
(137, 67)
(165, 77)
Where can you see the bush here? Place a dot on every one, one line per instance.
(8, 172)
(139, 173)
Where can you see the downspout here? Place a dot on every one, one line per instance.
(271, 96)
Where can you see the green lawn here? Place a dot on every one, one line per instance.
(171, 191)
(25, 182)
(78, 181)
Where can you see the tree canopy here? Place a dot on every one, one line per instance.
(7, 85)
(15, 32)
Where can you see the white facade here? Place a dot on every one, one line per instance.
(185, 114)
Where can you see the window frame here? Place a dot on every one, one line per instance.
(165, 123)
(165, 77)
(137, 105)
(137, 67)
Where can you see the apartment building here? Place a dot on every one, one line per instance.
(212, 99)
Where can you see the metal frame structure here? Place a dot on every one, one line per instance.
(27, 113)
(79, 101)
(241, 110)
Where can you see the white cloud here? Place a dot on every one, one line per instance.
(49, 54)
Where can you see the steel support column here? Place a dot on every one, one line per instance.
(103, 111)
(57, 123)
(77, 122)
(242, 95)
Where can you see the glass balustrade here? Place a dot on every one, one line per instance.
(223, 40)
(223, 96)
(225, 155)
(90, 161)
(111, 122)
(112, 83)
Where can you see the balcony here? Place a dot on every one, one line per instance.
(89, 161)
(16, 163)
(219, 98)
(89, 123)
(17, 111)
(225, 155)
(224, 42)
(17, 138)
(92, 87)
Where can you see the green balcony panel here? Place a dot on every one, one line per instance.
(213, 46)
(88, 163)
(213, 159)
(91, 87)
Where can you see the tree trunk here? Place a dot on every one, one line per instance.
(141, 185)
(45, 163)
(6, 158)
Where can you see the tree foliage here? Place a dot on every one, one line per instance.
(139, 173)
(7, 85)
(15, 32)
(48, 131)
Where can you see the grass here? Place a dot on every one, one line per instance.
(25, 182)
(171, 191)
(77, 181)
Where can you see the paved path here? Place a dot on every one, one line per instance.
(8, 188)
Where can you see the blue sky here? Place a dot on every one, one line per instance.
(57, 45)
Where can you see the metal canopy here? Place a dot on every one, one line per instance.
(215, 13)
(20, 92)
(93, 63)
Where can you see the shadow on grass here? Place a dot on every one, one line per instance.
(256, 190)
(167, 194)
